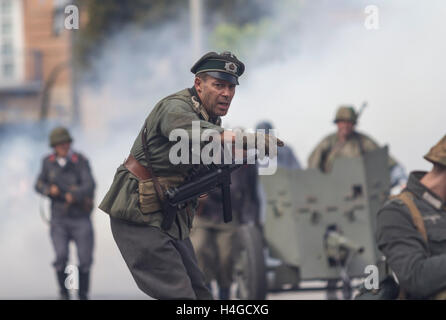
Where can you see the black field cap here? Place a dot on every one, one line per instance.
(224, 66)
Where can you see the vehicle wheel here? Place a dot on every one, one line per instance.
(249, 266)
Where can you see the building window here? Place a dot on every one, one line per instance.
(8, 70)
(6, 27)
(7, 48)
(6, 6)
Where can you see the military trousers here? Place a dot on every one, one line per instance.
(216, 245)
(162, 267)
(80, 230)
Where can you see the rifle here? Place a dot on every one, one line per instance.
(200, 182)
(85, 203)
(361, 110)
(64, 188)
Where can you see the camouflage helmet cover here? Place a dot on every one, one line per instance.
(437, 154)
(59, 135)
(346, 113)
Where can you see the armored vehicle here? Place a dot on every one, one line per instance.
(317, 227)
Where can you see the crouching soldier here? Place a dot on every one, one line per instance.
(411, 231)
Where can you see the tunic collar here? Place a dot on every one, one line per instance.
(199, 109)
(421, 191)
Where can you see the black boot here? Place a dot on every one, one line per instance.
(63, 292)
(332, 289)
(84, 280)
(223, 293)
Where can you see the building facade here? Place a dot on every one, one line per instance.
(36, 79)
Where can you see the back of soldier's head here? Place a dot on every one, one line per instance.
(437, 155)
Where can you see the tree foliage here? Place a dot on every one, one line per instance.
(106, 17)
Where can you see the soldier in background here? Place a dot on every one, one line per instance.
(347, 142)
(67, 180)
(411, 231)
(216, 243)
(285, 155)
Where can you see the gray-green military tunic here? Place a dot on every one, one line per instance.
(176, 111)
(162, 263)
(330, 148)
(419, 267)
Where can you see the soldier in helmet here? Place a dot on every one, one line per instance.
(67, 180)
(161, 259)
(411, 231)
(347, 142)
(285, 156)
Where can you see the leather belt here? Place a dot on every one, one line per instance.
(136, 168)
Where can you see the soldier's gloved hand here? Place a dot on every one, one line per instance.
(270, 141)
(258, 140)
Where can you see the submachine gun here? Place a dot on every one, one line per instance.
(201, 180)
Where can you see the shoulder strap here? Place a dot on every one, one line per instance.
(407, 198)
(158, 189)
(361, 146)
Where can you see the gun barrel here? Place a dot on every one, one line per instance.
(337, 241)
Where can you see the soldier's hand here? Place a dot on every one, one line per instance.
(69, 198)
(260, 139)
(271, 143)
(54, 190)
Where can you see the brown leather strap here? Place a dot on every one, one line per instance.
(156, 184)
(136, 168)
(406, 197)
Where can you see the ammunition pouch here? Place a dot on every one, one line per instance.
(148, 199)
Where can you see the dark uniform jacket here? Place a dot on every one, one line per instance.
(75, 177)
(244, 198)
(419, 267)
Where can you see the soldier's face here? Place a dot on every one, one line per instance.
(215, 94)
(345, 128)
(62, 149)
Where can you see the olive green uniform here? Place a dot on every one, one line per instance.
(156, 258)
(215, 242)
(419, 266)
(330, 148)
